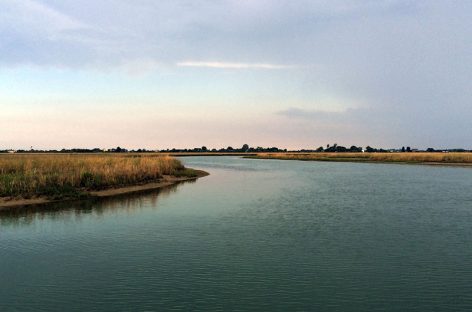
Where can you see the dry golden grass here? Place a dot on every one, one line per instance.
(447, 158)
(57, 174)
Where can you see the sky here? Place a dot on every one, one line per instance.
(292, 74)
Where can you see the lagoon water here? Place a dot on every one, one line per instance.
(254, 235)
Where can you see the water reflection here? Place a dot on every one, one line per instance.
(129, 203)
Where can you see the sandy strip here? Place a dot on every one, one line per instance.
(166, 181)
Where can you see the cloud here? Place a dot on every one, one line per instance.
(104, 34)
(350, 116)
(226, 65)
(295, 112)
(110, 33)
(30, 16)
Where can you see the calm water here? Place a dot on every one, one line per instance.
(254, 235)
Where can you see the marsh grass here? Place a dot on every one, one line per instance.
(63, 176)
(446, 158)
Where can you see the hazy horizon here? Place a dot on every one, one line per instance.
(157, 75)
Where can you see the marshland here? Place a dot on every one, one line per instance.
(417, 158)
(58, 176)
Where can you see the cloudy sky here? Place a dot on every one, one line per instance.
(186, 73)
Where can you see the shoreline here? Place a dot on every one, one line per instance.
(164, 182)
(369, 161)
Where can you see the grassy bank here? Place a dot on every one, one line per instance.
(58, 176)
(440, 158)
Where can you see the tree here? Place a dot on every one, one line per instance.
(245, 148)
(204, 148)
(408, 149)
(403, 149)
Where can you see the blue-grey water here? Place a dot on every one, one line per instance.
(261, 235)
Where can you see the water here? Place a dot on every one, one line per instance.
(254, 235)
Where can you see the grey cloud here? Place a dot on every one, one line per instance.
(314, 115)
(112, 32)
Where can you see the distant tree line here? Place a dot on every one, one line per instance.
(244, 149)
(334, 148)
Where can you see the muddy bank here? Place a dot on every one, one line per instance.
(6, 203)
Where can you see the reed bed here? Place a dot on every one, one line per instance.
(68, 175)
(446, 158)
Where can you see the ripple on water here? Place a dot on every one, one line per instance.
(254, 235)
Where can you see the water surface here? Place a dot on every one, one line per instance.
(254, 235)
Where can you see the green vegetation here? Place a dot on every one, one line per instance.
(59, 176)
